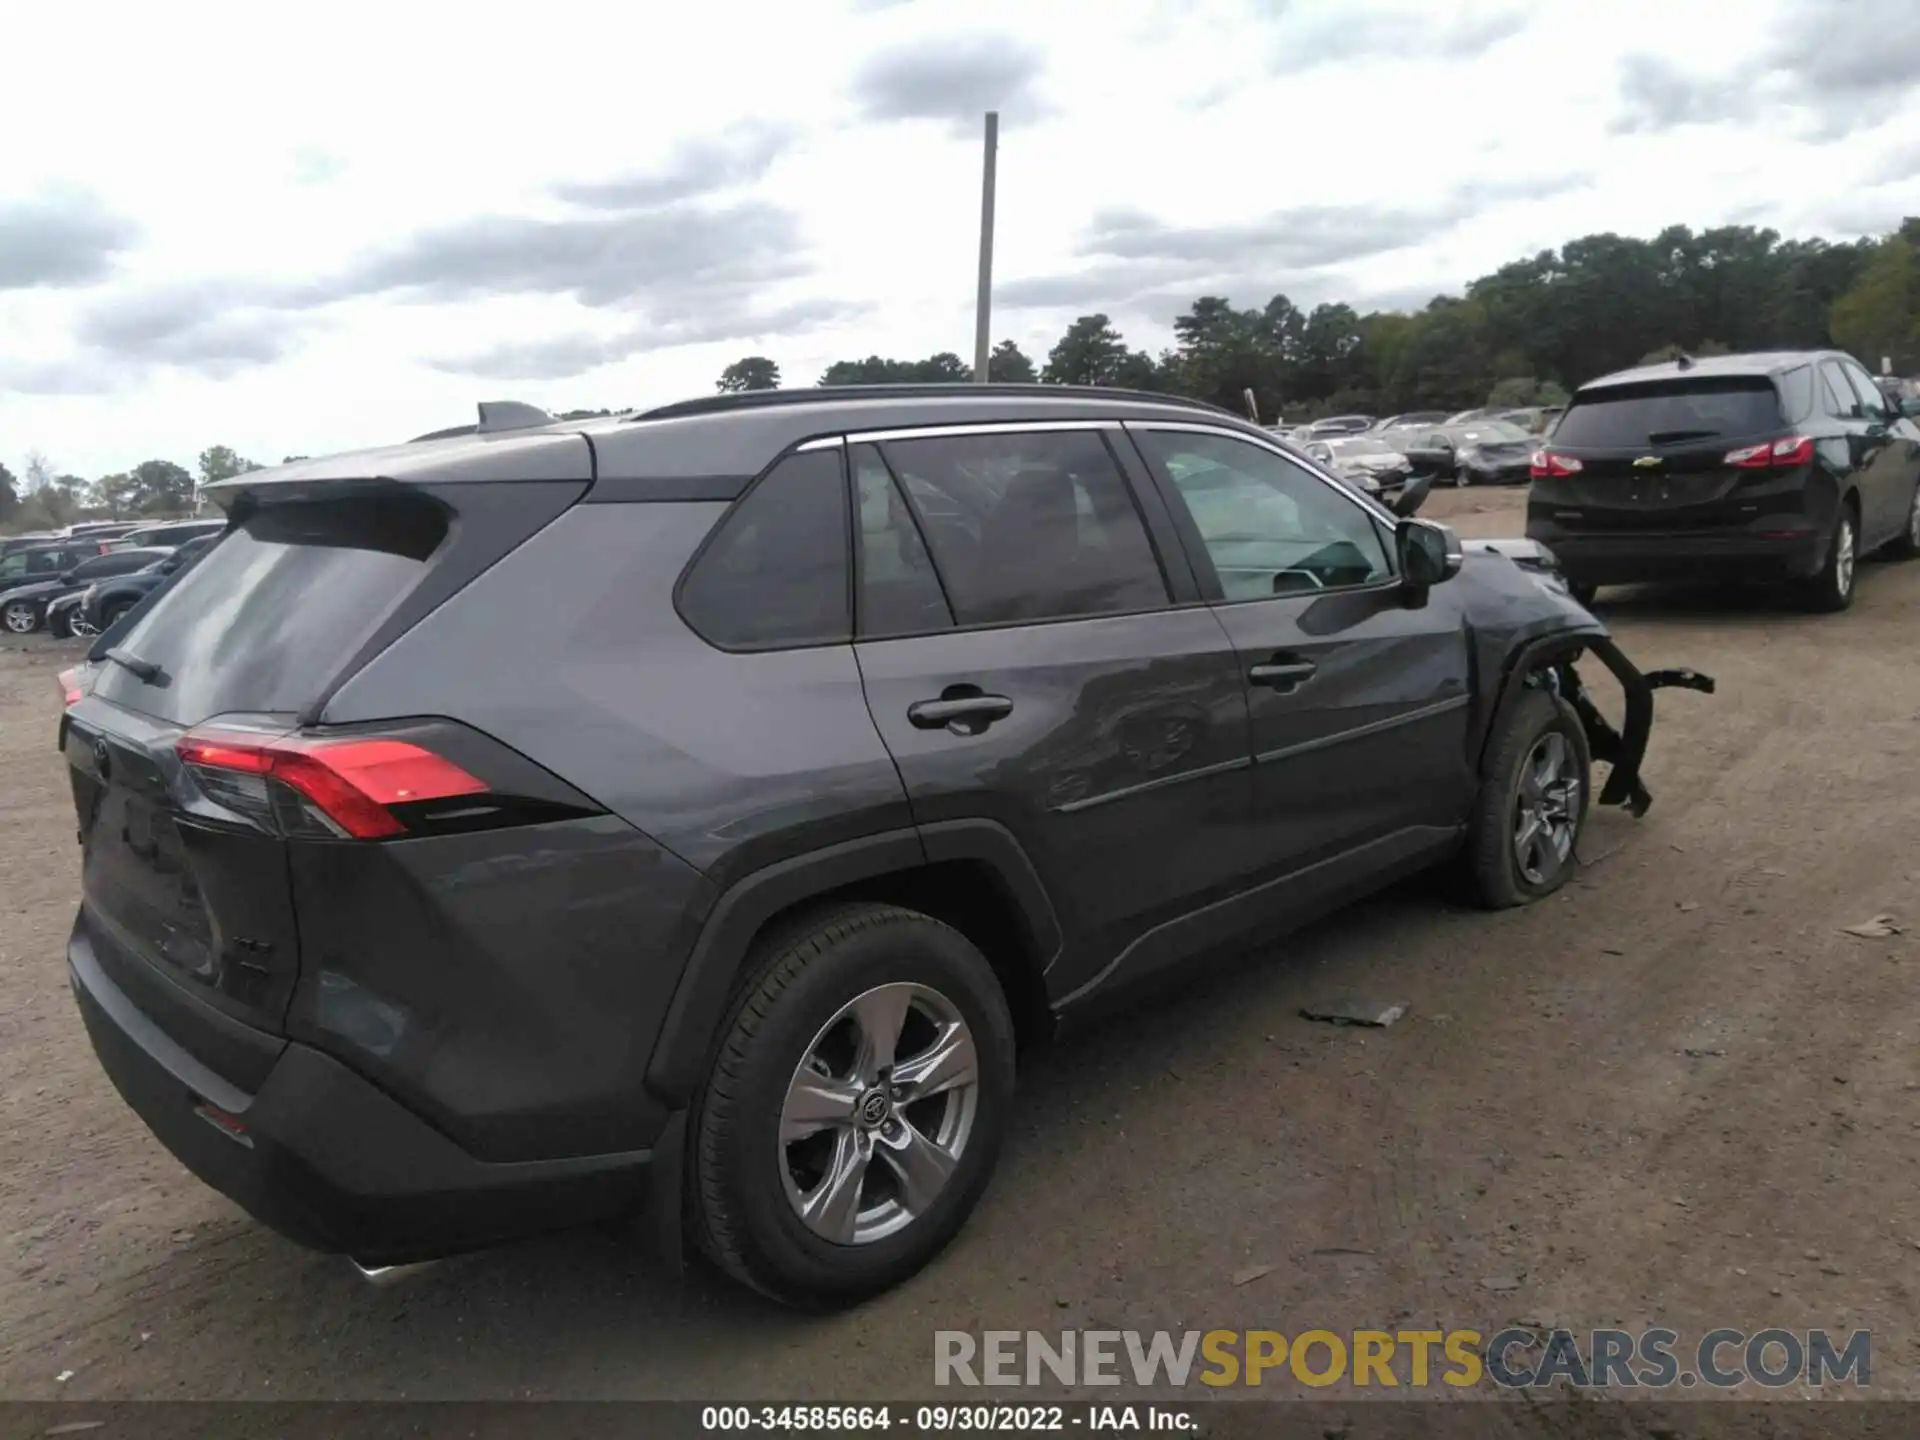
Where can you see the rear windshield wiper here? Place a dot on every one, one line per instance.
(1668, 437)
(146, 670)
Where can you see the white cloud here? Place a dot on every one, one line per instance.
(323, 235)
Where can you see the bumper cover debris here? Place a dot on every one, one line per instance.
(1625, 748)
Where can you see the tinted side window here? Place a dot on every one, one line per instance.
(775, 572)
(898, 590)
(1872, 403)
(1796, 394)
(1836, 396)
(1269, 527)
(1029, 526)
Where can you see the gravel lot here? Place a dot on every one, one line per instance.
(1677, 1094)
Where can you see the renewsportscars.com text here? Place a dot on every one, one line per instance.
(1513, 1358)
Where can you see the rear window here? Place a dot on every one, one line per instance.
(1670, 412)
(266, 617)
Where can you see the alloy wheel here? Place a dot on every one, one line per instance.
(1843, 558)
(1913, 520)
(892, 1078)
(20, 619)
(1547, 809)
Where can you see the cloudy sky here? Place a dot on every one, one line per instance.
(222, 225)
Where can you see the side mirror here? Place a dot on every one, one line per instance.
(1321, 452)
(1429, 553)
(1412, 496)
(65, 577)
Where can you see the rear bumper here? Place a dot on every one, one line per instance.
(330, 1160)
(1633, 557)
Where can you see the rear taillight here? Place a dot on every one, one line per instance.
(1546, 464)
(302, 785)
(1771, 454)
(70, 686)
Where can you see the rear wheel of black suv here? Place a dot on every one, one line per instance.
(856, 1107)
(1831, 589)
(1523, 841)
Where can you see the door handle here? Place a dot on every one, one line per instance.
(1279, 674)
(962, 714)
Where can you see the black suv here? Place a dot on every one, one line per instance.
(496, 830)
(1739, 467)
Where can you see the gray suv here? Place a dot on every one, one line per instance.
(703, 807)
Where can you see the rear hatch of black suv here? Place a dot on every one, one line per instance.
(1682, 453)
(197, 773)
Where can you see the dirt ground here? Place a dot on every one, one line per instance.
(1677, 1094)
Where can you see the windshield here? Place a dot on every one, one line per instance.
(1667, 412)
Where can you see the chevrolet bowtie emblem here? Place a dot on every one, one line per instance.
(1646, 462)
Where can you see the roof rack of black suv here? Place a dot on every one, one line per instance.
(495, 416)
(940, 390)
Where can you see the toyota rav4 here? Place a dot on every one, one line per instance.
(704, 806)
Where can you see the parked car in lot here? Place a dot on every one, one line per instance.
(169, 533)
(25, 607)
(1364, 460)
(1783, 467)
(32, 539)
(1412, 418)
(1482, 452)
(35, 563)
(703, 805)
(104, 603)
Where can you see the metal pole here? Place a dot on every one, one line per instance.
(984, 301)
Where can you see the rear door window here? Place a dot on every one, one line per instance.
(268, 616)
(1670, 412)
(1873, 404)
(1025, 526)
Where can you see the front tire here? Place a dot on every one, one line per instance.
(856, 1108)
(1523, 840)
(1831, 589)
(110, 616)
(19, 617)
(60, 624)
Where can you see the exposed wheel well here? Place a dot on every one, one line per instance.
(970, 897)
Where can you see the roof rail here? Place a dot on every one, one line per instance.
(924, 390)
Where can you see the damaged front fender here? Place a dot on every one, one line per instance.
(1623, 749)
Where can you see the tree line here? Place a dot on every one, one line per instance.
(43, 498)
(1528, 333)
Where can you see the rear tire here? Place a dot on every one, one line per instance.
(60, 625)
(1831, 590)
(762, 1173)
(19, 617)
(1540, 771)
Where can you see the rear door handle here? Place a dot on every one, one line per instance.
(962, 714)
(1282, 674)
